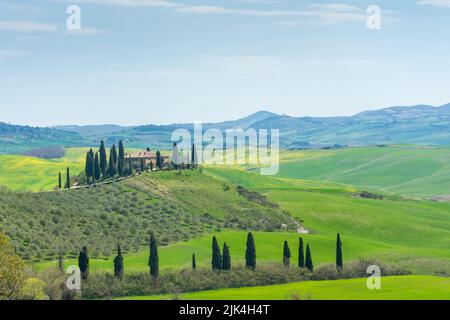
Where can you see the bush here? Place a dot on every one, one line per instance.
(101, 286)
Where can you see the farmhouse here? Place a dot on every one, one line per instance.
(146, 156)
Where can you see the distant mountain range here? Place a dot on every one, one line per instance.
(421, 125)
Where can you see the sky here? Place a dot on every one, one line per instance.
(155, 61)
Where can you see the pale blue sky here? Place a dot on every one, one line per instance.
(151, 61)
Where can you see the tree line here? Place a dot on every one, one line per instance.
(219, 261)
(99, 167)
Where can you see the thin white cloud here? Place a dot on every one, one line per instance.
(130, 3)
(12, 53)
(337, 15)
(342, 7)
(437, 3)
(20, 7)
(26, 26)
(85, 31)
(337, 12)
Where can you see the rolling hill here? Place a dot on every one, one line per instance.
(393, 288)
(421, 125)
(407, 170)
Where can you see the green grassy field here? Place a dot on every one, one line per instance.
(412, 234)
(33, 174)
(317, 187)
(392, 288)
(400, 169)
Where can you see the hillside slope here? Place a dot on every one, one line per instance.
(399, 169)
(174, 205)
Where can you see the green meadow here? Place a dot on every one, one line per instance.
(320, 188)
(26, 173)
(392, 288)
(423, 171)
(413, 234)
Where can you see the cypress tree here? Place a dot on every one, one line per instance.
(194, 263)
(97, 170)
(115, 154)
(250, 252)
(158, 160)
(59, 180)
(112, 164)
(121, 159)
(130, 166)
(83, 263)
(142, 165)
(88, 167)
(103, 161)
(60, 261)
(68, 184)
(301, 254)
(339, 261)
(153, 260)
(216, 260)
(91, 156)
(118, 263)
(151, 165)
(286, 254)
(193, 156)
(226, 259)
(309, 262)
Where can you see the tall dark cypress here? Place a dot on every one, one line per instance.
(83, 263)
(91, 156)
(68, 184)
(194, 263)
(89, 166)
(112, 171)
(301, 254)
(142, 165)
(226, 258)
(250, 252)
(115, 156)
(153, 260)
(103, 161)
(59, 180)
(151, 165)
(97, 170)
(60, 261)
(216, 261)
(309, 263)
(121, 159)
(158, 160)
(339, 260)
(118, 263)
(286, 254)
(193, 156)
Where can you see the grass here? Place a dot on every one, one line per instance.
(392, 288)
(399, 169)
(317, 187)
(33, 174)
(412, 234)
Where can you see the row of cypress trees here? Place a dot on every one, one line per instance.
(67, 185)
(97, 165)
(153, 261)
(305, 260)
(219, 261)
